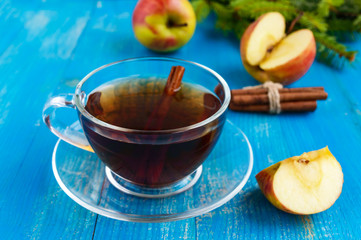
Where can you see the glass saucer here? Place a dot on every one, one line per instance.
(140, 191)
(83, 178)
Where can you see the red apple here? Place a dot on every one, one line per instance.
(163, 25)
(305, 184)
(269, 55)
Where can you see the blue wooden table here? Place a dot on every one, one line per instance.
(47, 46)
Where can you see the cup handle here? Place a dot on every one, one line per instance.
(71, 134)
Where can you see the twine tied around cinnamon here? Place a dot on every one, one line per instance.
(273, 95)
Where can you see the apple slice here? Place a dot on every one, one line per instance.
(306, 184)
(269, 55)
(292, 57)
(268, 30)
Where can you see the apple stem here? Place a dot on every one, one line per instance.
(171, 24)
(294, 21)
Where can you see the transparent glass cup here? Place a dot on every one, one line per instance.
(149, 162)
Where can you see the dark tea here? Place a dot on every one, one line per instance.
(151, 157)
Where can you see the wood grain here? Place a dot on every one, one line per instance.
(46, 47)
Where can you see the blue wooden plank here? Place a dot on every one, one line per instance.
(10, 23)
(111, 229)
(32, 203)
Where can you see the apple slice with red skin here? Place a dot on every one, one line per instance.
(306, 184)
(269, 55)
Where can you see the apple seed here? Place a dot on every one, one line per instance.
(302, 160)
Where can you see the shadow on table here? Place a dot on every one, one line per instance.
(254, 207)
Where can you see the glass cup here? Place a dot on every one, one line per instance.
(149, 162)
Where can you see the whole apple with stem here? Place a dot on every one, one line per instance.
(268, 54)
(306, 184)
(163, 25)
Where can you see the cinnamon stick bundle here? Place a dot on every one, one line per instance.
(291, 99)
(254, 99)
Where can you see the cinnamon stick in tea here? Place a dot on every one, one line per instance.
(155, 122)
(174, 80)
(172, 86)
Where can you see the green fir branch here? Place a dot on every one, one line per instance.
(313, 22)
(202, 9)
(254, 9)
(223, 11)
(240, 27)
(357, 24)
(328, 49)
(342, 25)
(324, 6)
(345, 30)
(350, 9)
(305, 6)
